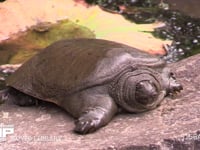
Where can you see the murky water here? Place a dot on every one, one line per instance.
(182, 27)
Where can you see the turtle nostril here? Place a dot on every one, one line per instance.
(179, 87)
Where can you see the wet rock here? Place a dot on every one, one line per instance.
(172, 126)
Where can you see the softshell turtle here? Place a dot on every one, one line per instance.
(92, 79)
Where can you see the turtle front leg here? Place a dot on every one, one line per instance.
(96, 116)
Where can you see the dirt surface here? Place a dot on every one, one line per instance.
(48, 127)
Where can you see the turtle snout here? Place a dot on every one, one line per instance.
(174, 86)
(177, 87)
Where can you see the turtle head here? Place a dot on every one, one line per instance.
(146, 92)
(170, 83)
(139, 90)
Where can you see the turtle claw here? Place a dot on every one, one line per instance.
(86, 125)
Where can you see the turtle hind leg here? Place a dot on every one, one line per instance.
(20, 98)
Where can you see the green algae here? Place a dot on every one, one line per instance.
(26, 44)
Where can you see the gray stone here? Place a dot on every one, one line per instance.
(175, 125)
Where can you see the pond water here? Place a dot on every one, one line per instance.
(181, 18)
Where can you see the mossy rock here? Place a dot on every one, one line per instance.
(25, 45)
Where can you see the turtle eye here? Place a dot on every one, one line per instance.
(146, 92)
